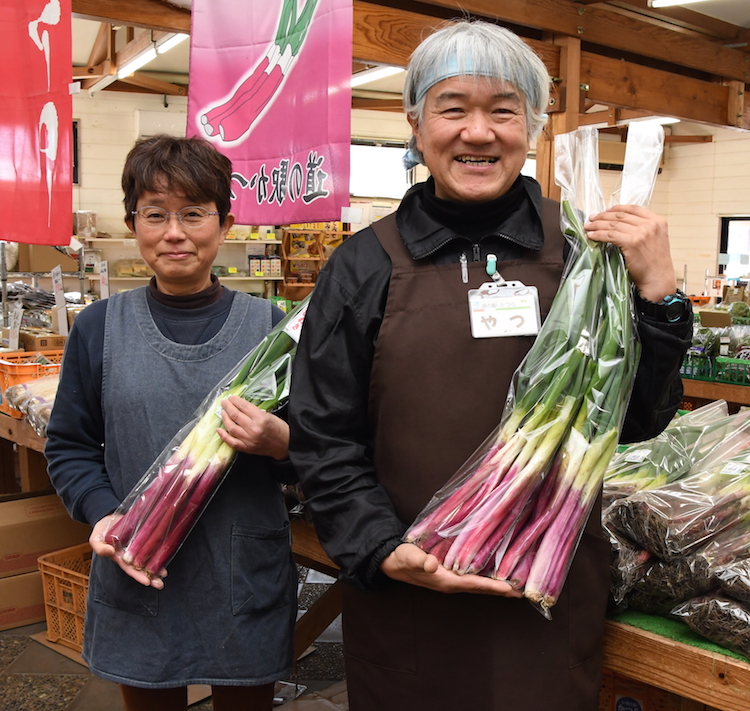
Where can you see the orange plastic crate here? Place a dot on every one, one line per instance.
(21, 366)
(65, 579)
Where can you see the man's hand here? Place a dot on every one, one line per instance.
(643, 238)
(410, 564)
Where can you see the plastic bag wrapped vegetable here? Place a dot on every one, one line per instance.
(645, 465)
(34, 398)
(690, 443)
(156, 516)
(734, 579)
(674, 520)
(665, 584)
(718, 618)
(516, 509)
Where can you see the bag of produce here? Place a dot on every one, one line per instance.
(718, 618)
(516, 509)
(156, 516)
(673, 520)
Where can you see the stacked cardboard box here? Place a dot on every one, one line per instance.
(30, 526)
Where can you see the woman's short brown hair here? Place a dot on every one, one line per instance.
(188, 165)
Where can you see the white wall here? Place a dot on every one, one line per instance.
(110, 123)
(700, 182)
(706, 181)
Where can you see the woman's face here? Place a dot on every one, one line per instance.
(473, 137)
(180, 256)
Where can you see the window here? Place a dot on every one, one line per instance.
(734, 250)
(377, 171)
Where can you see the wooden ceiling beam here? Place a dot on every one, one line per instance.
(603, 27)
(150, 14)
(623, 84)
(679, 18)
(155, 86)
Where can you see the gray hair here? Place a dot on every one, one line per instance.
(475, 48)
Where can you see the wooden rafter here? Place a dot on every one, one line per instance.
(659, 75)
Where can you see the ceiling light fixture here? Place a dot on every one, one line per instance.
(140, 60)
(170, 41)
(368, 75)
(671, 3)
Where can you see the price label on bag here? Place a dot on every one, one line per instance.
(507, 309)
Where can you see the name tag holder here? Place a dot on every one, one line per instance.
(504, 308)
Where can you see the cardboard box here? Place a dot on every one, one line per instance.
(43, 258)
(41, 340)
(21, 600)
(32, 526)
(731, 293)
(714, 318)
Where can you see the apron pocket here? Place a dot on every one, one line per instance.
(260, 568)
(111, 586)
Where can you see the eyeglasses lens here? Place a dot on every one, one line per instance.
(188, 216)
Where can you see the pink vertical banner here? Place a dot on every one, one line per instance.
(270, 88)
(36, 122)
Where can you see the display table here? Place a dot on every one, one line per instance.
(691, 673)
(717, 680)
(21, 457)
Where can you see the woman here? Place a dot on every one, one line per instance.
(392, 394)
(136, 368)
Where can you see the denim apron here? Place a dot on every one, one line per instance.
(435, 395)
(227, 610)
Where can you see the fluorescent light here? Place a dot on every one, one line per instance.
(170, 41)
(137, 62)
(662, 120)
(374, 73)
(102, 83)
(671, 3)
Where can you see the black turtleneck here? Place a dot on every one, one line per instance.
(192, 318)
(474, 220)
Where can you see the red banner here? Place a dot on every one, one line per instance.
(36, 121)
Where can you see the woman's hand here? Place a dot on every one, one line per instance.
(644, 240)
(249, 429)
(105, 550)
(410, 564)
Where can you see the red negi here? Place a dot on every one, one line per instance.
(516, 509)
(157, 515)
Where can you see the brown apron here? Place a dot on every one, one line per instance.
(436, 393)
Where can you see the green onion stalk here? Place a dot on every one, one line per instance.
(516, 509)
(156, 516)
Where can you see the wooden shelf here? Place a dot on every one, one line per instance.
(707, 390)
(717, 680)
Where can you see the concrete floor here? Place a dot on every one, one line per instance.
(35, 677)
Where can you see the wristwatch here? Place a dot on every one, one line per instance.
(671, 308)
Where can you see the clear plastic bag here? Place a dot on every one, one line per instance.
(691, 443)
(516, 509)
(34, 398)
(665, 584)
(153, 521)
(721, 619)
(674, 520)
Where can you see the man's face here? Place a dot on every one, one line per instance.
(473, 137)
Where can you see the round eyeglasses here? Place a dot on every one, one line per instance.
(193, 216)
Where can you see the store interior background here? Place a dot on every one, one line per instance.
(700, 182)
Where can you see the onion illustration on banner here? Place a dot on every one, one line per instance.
(231, 120)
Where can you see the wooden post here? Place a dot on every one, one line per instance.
(563, 115)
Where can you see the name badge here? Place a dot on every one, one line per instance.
(505, 309)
